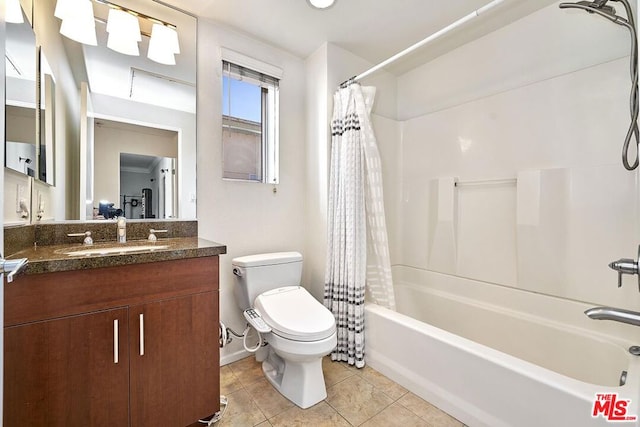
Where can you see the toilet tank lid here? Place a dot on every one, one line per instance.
(267, 259)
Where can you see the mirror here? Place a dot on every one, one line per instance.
(142, 115)
(116, 88)
(46, 120)
(20, 66)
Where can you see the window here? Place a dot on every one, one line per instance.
(249, 124)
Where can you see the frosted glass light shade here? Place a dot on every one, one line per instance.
(124, 32)
(78, 23)
(13, 12)
(321, 4)
(161, 56)
(123, 45)
(62, 8)
(163, 44)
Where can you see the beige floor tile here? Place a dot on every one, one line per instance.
(396, 415)
(357, 400)
(354, 397)
(334, 372)
(320, 415)
(268, 399)
(228, 381)
(247, 370)
(431, 414)
(382, 383)
(242, 411)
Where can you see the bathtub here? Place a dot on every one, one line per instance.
(495, 356)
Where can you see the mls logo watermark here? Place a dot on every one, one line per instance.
(611, 408)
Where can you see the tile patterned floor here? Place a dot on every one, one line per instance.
(355, 397)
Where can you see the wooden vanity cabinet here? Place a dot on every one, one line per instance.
(62, 373)
(134, 345)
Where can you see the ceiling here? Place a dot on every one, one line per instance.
(373, 30)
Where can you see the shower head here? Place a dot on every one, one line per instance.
(598, 7)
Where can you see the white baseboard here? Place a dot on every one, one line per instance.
(233, 357)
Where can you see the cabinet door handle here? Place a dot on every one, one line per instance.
(141, 334)
(115, 342)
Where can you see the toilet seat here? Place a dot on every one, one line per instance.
(293, 313)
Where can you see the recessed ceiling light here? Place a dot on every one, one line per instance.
(321, 4)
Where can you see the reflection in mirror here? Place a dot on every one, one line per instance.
(147, 186)
(46, 111)
(141, 107)
(20, 67)
(135, 169)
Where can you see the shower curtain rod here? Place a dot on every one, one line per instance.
(425, 41)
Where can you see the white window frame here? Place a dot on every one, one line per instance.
(270, 122)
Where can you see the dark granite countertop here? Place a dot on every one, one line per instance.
(53, 258)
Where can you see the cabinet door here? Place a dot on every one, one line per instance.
(175, 368)
(72, 371)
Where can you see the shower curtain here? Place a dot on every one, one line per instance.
(358, 251)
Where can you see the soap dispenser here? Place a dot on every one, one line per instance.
(122, 229)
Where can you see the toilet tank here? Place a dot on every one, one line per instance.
(255, 274)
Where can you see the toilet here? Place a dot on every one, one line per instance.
(303, 330)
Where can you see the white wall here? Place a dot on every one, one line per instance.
(543, 100)
(17, 186)
(248, 217)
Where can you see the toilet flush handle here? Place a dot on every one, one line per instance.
(237, 271)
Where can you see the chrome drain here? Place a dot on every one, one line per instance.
(635, 350)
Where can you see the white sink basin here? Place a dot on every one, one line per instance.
(115, 250)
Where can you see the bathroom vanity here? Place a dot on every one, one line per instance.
(125, 339)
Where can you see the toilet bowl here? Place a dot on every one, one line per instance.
(303, 330)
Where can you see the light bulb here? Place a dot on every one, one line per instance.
(321, 4)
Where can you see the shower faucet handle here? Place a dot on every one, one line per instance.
(627, 266)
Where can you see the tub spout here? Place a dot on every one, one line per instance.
(615, 314)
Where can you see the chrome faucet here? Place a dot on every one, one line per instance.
(615, 314)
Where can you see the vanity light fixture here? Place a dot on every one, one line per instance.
(13, 12)
(124, 32)
(123, 28)
(321, 4)
(78, 22)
